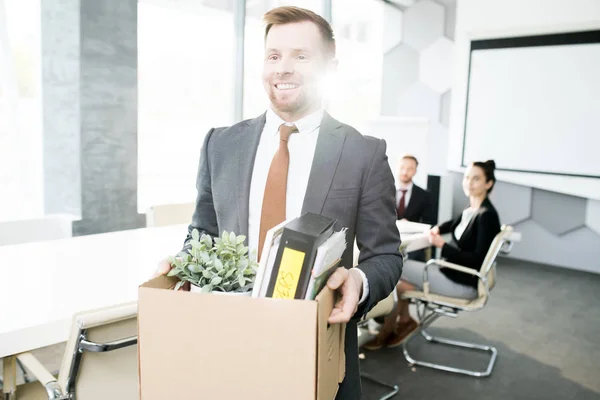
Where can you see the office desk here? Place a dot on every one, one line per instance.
(415, 241)
(414, 237)
(43, 284)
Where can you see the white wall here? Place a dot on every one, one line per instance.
(557, 216)
(481, 19)
(403, 135)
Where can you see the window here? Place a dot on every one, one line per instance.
(186, 86)
(21, 165)
(355, 92)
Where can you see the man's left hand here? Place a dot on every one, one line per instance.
(350, 284)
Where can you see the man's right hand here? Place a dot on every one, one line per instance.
(163, 268)
(435, 230)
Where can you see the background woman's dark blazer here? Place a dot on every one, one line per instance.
(470, 250)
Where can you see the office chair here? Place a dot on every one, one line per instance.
(100, 360)
(432, 306)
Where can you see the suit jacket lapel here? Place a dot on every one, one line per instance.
(327, 156)
(471, 223)
(247, 144)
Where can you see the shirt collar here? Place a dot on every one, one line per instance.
(306, 124)
(407, 187)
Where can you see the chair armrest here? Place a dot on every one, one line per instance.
(384, 307)
(456, 267)
(36, 368)
(41, 373)
(86, 345)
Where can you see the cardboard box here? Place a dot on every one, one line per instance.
(210, 346)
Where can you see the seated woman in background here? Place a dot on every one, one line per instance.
(472, 234)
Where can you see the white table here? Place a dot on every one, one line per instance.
(414, 236)
(415, 241)
(43, 284)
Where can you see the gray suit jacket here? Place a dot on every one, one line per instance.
(350, 180)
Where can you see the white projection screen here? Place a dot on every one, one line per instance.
(533, 104)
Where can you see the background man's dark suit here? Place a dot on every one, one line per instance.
(350, 180)
(420, 207)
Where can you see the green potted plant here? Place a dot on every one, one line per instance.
(219, 266)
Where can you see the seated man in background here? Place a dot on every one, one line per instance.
(412, 202)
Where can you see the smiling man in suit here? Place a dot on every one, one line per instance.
(413, 203)
(295, 158)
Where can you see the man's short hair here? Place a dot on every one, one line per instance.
(410, 157)
(290, 14)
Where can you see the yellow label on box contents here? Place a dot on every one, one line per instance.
(289, 274)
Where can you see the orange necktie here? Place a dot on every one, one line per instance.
(274, 201)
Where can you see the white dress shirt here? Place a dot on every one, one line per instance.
(466, 217)
(301, 146)
(409, 189)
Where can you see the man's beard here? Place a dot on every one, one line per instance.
(289, 107)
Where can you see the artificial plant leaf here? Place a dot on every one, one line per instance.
(206, 240)
(229, 273)
(226, 253)
(240, 250)
(204, 257)
(195, 268)
(206, 288)
(218, 264)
